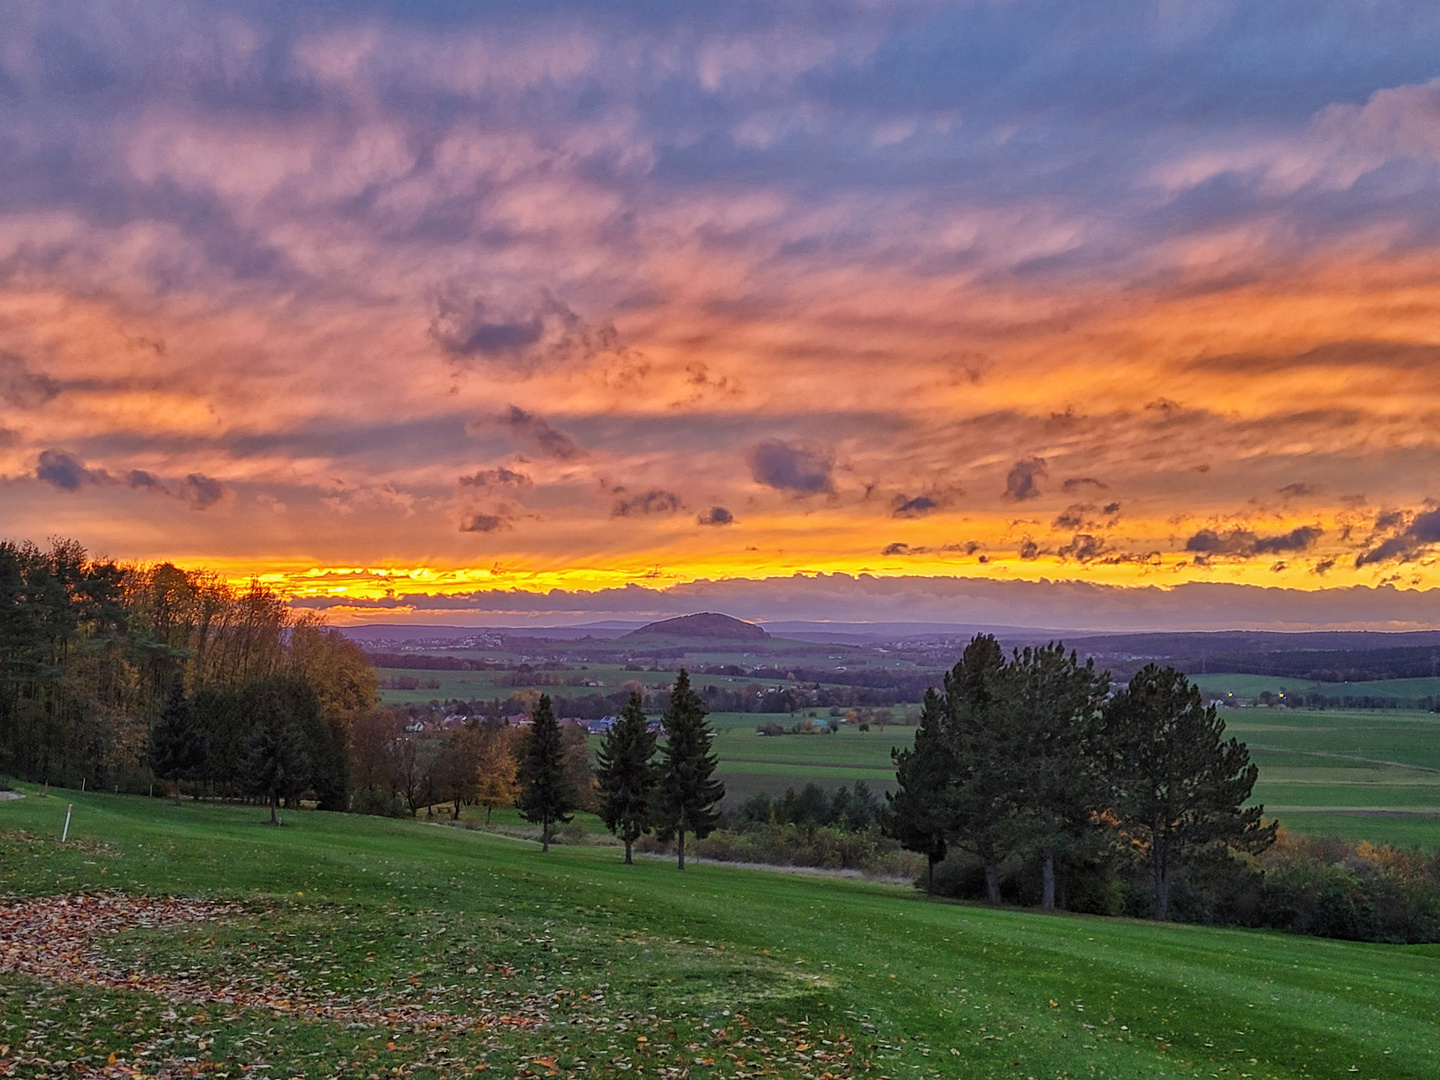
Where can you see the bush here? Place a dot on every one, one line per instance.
(1358, 892)
(823, 847)
(378, 802)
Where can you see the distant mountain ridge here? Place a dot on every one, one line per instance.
(709, 625)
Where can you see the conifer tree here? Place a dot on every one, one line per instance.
(1050, 750)
(177, 744)
(686, 792)
(627, 775)
(1178, 786)
(920, 814)
(977, 703)
(546, 797)
(276, 764)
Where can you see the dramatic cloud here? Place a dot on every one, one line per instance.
(21, 387)
(822, 267)
(919, 506)
(793, 467)
(525, 337)
(892, 550)
(66, 472)
(1245, 544)
(485, 523)
(536, 432)
(500, 477)
(1413, 536)
(1084, 548)
(201, 491)
(654, 501)
(1023, 480)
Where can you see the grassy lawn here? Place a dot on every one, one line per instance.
(631, 970)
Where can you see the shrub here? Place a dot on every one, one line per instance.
(378, 802)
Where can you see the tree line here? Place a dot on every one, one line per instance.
(1028, 759)
(115, 674)
(643, 786)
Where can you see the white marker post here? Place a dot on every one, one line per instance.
(65, 832)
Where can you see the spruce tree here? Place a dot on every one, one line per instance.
(546, 797)
(177, 744)
(687, 792)
(920, 814)
(627, 775)
(276, 764)
(977, 703)
(1178, 786)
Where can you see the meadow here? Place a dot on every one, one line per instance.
(1360, 774)
(350, 946)
(1363, 774)
(1245, 687)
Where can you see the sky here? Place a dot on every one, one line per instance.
(484, 309)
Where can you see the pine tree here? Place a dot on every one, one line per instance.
(978, 706)
(276, 764)
(1050, 751)
(686, 793)
(546, 796)
(627, 775)
(919, 813)
(1178, 786)
(177, 744)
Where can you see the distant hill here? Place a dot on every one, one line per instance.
(707, 625)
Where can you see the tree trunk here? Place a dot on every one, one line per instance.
(545, 834)
(274, 808)
(488, 810)
(1162, 882)
(1047, 878)
(930, 876)
(628, 861)
(680, 849)
(992, 881)
(177, 791)
(455, 816)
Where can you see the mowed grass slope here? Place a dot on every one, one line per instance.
(341, 905)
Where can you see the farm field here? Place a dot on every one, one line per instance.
(357, 947)
(751, 763)
(470, 685)
(1251, 686)
(1362, 774)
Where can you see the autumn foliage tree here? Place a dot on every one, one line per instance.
(499, 767)
(90, 651)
